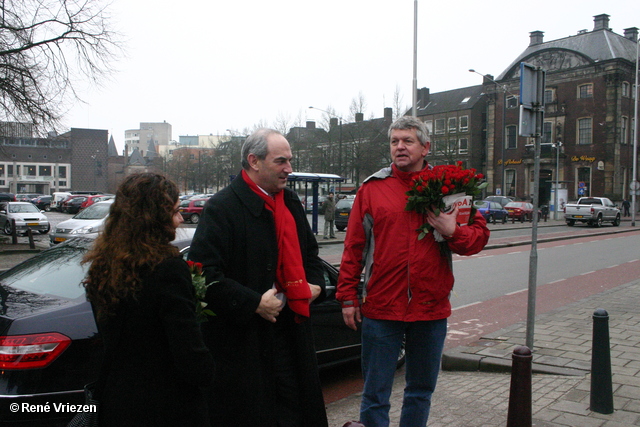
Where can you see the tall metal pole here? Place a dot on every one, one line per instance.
(634, 208)
(414, 109)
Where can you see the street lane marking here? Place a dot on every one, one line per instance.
(588, 272)
(517, 292)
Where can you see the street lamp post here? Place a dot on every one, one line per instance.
(339, 142)
(557, 146)
(504, 127)
(634, 182)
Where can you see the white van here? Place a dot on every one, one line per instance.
(56, 200)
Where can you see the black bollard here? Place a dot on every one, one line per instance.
(601, 383)
(14, 233)
(520, 392)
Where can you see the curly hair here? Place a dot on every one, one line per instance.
(136, 238)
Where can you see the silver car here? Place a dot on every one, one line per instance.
(87, 223)
(25, 215)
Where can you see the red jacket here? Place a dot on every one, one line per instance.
(406, 279)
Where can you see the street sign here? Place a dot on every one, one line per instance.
(635, 185)
(532, 83)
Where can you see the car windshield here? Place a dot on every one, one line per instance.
(56, 272)
(185, 203)
(97, 211)
(481, 204)
(344, 203)
(25, 208)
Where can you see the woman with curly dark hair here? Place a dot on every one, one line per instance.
(141, 292)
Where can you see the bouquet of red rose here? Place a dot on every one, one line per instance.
(441, 188)
(200, 285)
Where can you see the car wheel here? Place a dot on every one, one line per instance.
(504, 219)
(491, 219)
(598, 222)
(47, 208)
(340, 227)
(45, 231)
(616, 222)
(522, 218)
(194, 218)
(571, 222)
(7, 228)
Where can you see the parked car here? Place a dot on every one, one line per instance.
(7, 197)
(72, 204)
(503, 200)
(43, 203)
(57, 198)
(491, 211)
(95, 199)
(343, 210)
(25, 215)
(87, 223)
(522, 211)
(26, 197)
(52, 348)
(593, 211)
(309, 204)
(191, 209)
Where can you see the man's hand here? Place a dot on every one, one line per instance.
(351, 316)
(270, 306)
(445, 223)
(315, 292)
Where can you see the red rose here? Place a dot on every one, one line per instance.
(445, 190)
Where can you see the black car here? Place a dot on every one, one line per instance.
(73, 203)
(43, 203)
(51, 347)
(343, 210)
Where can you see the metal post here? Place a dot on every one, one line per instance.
(414, 86)
(635, 142)
(601, 383)
(519, 414)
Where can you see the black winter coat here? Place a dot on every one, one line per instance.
(236, 243)
(161, 364)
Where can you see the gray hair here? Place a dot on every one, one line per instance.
(256, 144)
(410, 122)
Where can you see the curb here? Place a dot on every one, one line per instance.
(457, 360)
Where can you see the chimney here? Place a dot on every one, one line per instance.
(359, 117)
(631, 34)
(423, 97)
(388, 114)
(311, 124)
(333, 122)
(487, 79)
(536, 38)
(601, 22)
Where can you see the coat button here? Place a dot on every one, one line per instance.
(269, 267)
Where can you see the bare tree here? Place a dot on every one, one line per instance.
(358, 105)
(46, 48)
(399, 108)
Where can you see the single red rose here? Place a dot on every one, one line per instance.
(445, 190)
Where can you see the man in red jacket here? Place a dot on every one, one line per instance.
(407, 280)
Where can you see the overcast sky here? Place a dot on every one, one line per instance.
(208, 66)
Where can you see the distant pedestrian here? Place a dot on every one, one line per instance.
(329, 207)
(625, 207)
(408, 280)
(142, 293)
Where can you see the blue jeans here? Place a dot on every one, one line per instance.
(381, 343)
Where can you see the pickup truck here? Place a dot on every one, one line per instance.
(592, 210)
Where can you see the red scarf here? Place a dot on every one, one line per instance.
(291, 278)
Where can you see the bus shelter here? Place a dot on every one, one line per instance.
(312, 182)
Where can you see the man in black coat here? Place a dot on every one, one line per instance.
(261, 258)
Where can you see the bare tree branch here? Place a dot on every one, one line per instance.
(46, 48)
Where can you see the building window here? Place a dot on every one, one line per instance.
(439, 126)
(512, 102)
(453, 125)
(512, 136)
(584, 131)
(2, 170)
(623, 130)
(44, 170)
(549, 96)
(463, 147)
(464, 123)
(585, 91)
(625, 89)
(453, 147)
(429, 125)
(439, 147)
(30, 170)
(547, 132)
(62, 172)
(510, 182)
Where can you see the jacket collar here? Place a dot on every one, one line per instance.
(251, 200)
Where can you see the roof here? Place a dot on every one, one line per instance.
(585, 48)
(311, 177)
(452, 100)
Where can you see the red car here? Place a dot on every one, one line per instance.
(72, 203)
(520, 210)
(95, 199)
(191, 209)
